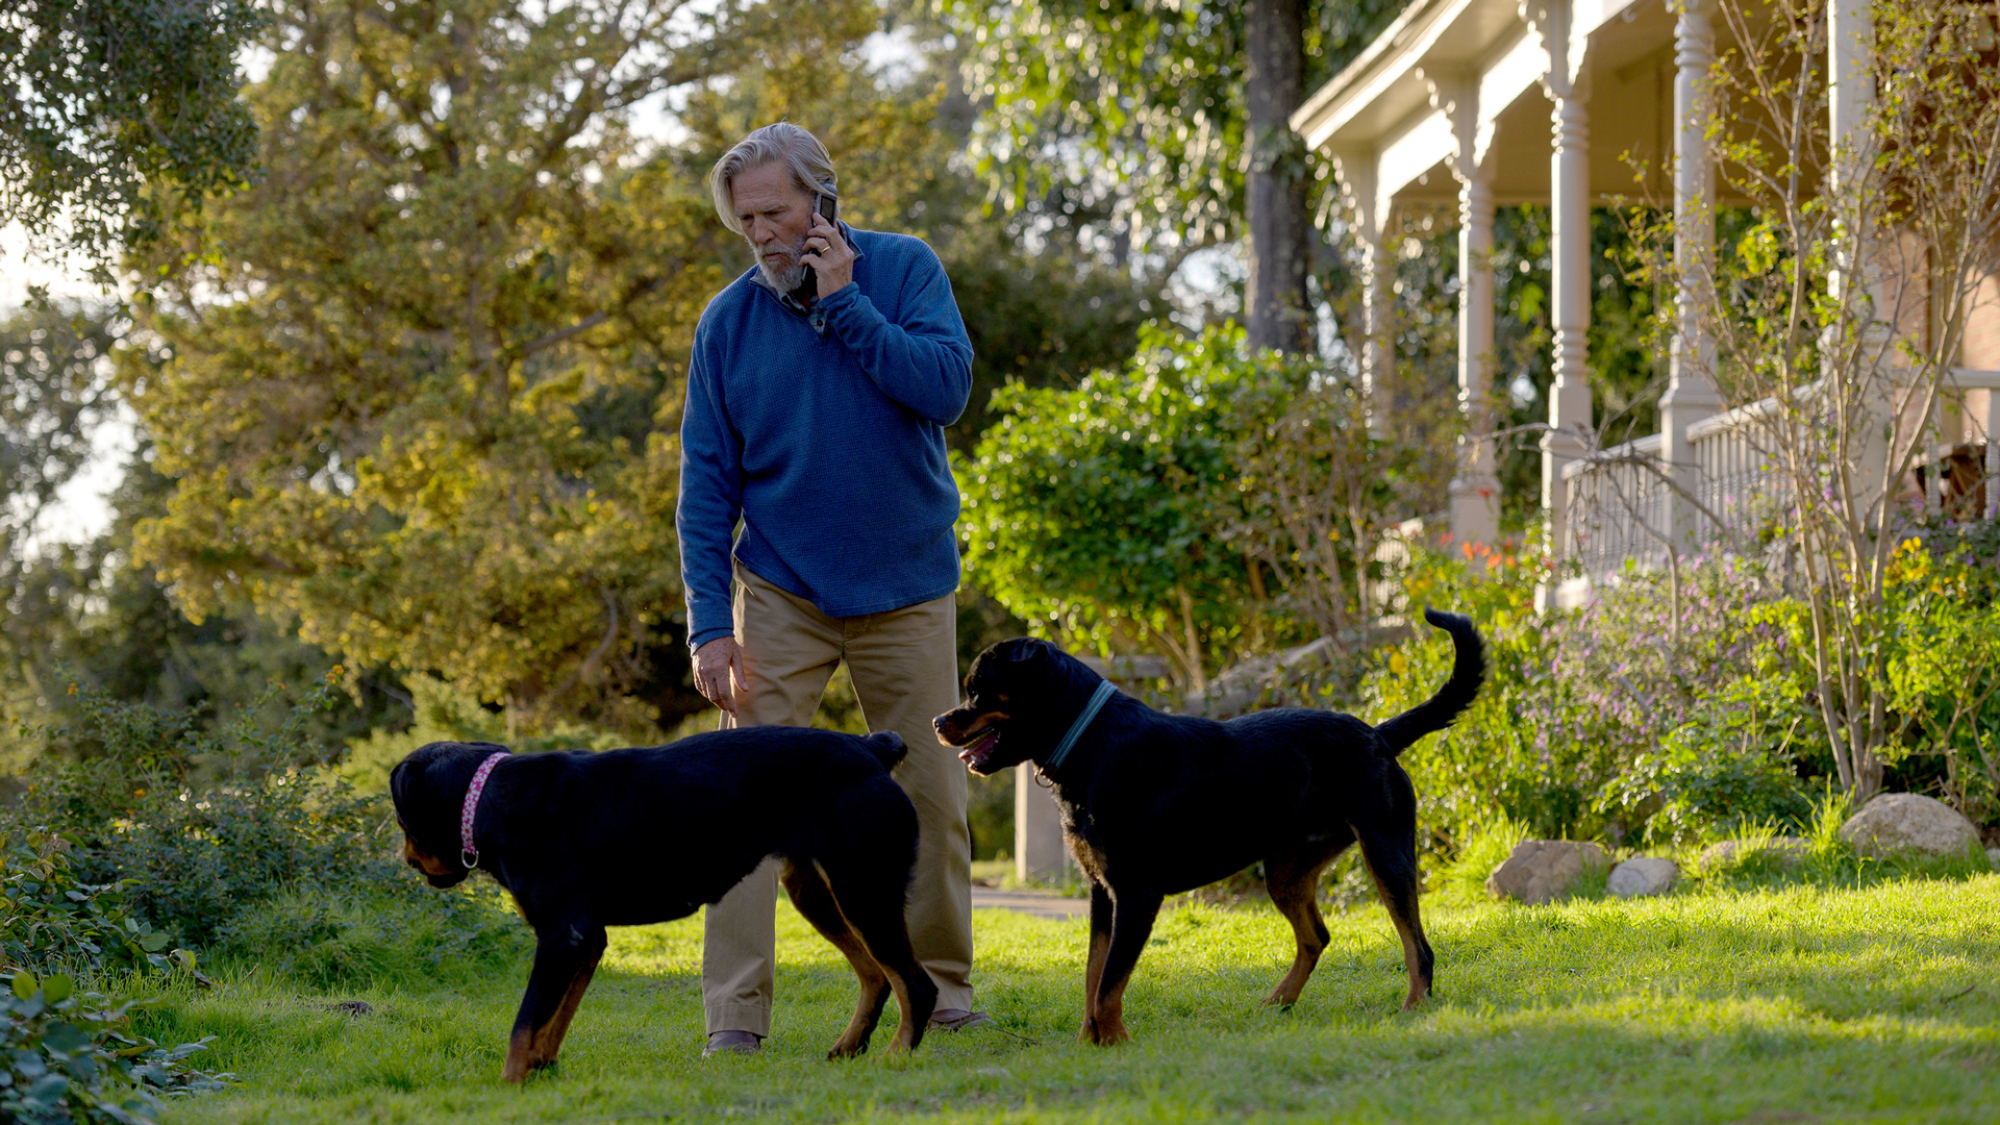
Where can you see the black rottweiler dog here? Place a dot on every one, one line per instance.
(629, 837)
(1155, 804)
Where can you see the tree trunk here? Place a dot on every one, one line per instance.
(1277, 308)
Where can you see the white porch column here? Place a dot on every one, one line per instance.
(1989, 423)
(1039, 851)
(1850, 95)
(1359, 180)
(1691, 395)
(1855, 279)
(1569, 175)
(1475, 483)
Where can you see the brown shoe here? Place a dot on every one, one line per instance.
(958, 1019)
(732, 1043)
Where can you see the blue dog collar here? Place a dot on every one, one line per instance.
(1104, 691)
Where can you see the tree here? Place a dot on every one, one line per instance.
(1166, 126)
(119, 114)
(54, 364)
(419, 398)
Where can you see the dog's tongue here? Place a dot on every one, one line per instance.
(975, 754)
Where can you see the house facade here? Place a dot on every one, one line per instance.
(1463, 106)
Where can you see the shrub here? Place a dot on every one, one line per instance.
(69, 1057)
(53, 921)
(1943, 593)
(1092, 512)
(1715, 775)
(1203, 498)
(205, 824)
(442, 712)
(215, 837)
(1670, 705)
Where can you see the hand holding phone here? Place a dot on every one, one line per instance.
(826, 208)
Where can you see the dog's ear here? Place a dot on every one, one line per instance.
(1028, 649)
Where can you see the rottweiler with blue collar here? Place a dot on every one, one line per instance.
(1155, 804)
(630, 837)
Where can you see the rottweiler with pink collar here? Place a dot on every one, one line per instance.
(630, 837)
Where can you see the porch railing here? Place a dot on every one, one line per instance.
(1618, 503)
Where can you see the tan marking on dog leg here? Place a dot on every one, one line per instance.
(1093, 972)
(1110, 1020)
(1412, 963)
(520, 1049)
(906, 1027)
(1292, 888)
(1410, 929)
(548, 1038)
(814, 899)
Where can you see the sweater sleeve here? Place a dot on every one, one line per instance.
(925, 361)
(711, 498)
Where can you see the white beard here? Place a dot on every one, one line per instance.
(783, 280)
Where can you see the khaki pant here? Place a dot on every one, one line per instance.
(904, 665)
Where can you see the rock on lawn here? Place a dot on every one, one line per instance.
(1909, 821)
(1788, 851)
(1642, 875)
(1540, 871)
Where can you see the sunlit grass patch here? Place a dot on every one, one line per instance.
(1798, 1002)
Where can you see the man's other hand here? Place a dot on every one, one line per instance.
(831, 258)
(719, 674)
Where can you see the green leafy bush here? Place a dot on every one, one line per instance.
(1714, 776)
(236, 842)
(55, 921)
(1091, 512)
(204, 824)
(73, 1057)
(1667, 707)
(1683, 706)
(442, 712)
(1943, 591)
(1203, 500)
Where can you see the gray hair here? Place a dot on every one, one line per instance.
(811, 167)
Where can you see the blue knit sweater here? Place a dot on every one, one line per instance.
(825, 436)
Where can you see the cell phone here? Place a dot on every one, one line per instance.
(828, 206)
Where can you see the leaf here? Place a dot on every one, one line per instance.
(58, 988)
(25, 984)
(65, 1037)
(154, 942)
(48, 1088)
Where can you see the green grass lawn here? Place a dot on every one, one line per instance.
(1782, 1004)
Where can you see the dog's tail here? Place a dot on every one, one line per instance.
(888, 747)
(1468, 671)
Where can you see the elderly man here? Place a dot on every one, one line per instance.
(818, 392)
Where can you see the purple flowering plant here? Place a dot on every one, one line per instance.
(1668, 706)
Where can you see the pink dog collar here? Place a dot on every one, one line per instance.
(469, 854)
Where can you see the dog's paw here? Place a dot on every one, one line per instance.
(1103, 1033)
